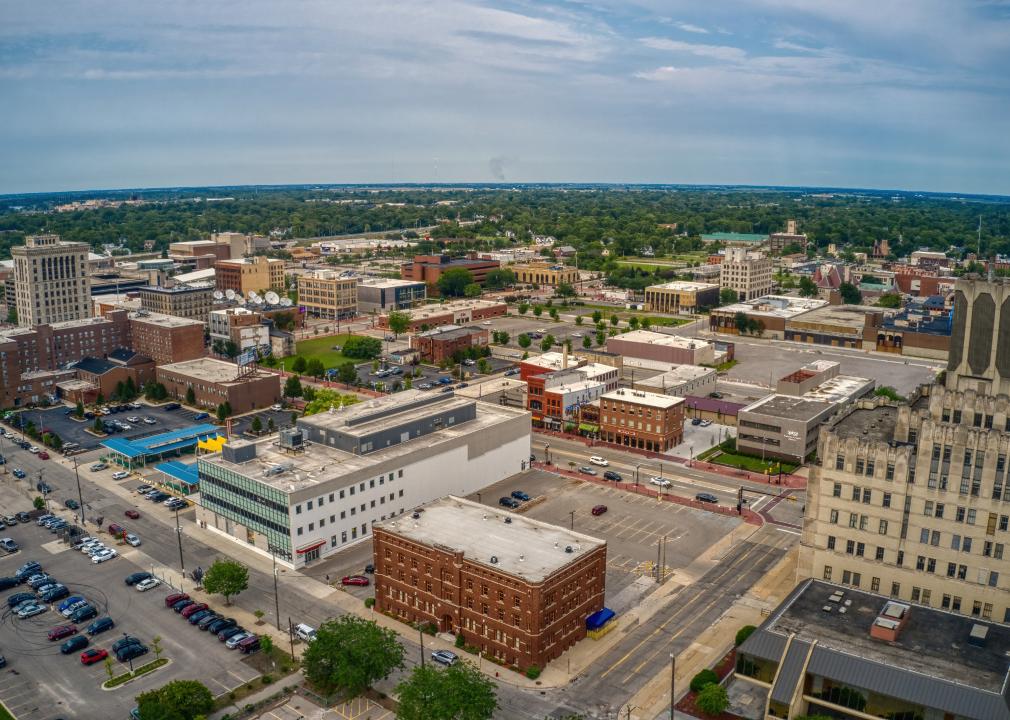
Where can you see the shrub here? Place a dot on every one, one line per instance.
(743, 633)
(266, 679)
(460, 640)
(532, 672)
(703, 679)
(370, 602)
(712, 700)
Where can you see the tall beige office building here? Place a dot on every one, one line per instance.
(51, 281)
(912, 500)
(328, 294)
(748, 273)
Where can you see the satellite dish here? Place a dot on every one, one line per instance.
(286, 302)
(251, 294)
(272, 297)
(230, 294)
(240, 300)
(255, 299)
(218, 295)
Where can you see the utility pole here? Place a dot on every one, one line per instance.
(80, 497)
(277, 597)
(178, 536)
(291, 638)
(673, 683)
(45, 495)
(662, 575)
(420, 633)
(659, 550)
(2, 453)
(571, 513)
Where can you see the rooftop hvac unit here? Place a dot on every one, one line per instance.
(292, 439)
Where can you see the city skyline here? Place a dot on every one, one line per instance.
(777, 92)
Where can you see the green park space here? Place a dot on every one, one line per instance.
(321, 348)
(751, 463)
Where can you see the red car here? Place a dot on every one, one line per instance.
(359, 580)
(193, 609)
(599, 509)
(134, 515)
(174, 598)
(93, 655)
(43, 455)
(61, 631)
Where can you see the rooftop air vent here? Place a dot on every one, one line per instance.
(508, 521)
(568, 549)
(416, 515)
(494, 559)
(521, 558)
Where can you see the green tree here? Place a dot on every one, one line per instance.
(347, 373)
(503, 337)
(79, 409)
(326, 398)
(190, 396)
(728, 296)
(850, 294)
(453, 282)
(614, 320)
(156, 646)
(231, 349)
(524, 340)
(597, 316)
(537, 311)
(587, 342)
(459, 692)
(646, 323)
(226, 577)
(890, 300)
(888, 392)
(178, 700)
(266, 644)
(361, 347)
(315, 368)
(257, 425)
(222, 413)
(97, 425)
(633, 322)
(483, 366)
(523, 308)
(554, 313)
(398, 322)
(299, 364)
(271, 425)
(499, 278)
(740, 322)
(578, 319)
(743, 633)
(703, 679)
(566, 290)
(349, 654)
(293, 387)
(712, 700)
(601, 337)
(38, 502)
(473, 290)
(547, 343)
(808, 288)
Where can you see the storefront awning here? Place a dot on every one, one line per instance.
(309, 548)
(587, 427)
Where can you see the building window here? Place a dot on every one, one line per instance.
(879, 554)
(831, 542)
(298, 509)
(837, 491)
(834, 517)
(874, 584)
(827, 576)
(299, 531)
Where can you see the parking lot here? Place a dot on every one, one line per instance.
(633, 526)
(42, 684)
(428, 373)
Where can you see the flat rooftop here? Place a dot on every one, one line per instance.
(175, 289)
(932, 642)
(640, 397)
(789, 407)
(840, 388)
(684, 286)
(324, 464)
(389, 282)
(451, 332)
(657, 338)
(779, 306)
(167, 321)
(524, 547)
(427, 311)
(212, 370)
(875, 424)
(851, 317)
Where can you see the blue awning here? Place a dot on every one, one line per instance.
(183, 472)
(163, 442)
(599, 618)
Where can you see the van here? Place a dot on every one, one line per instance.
(305, 633)
(115, 529)
(250, 645)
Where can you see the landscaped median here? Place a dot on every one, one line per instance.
(118, 680)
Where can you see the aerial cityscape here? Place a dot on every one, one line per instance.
(489, 360)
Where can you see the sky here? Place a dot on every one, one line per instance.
(903, 94)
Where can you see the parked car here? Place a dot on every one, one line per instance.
(706, 423)
(145, 585)
(114, 529)
(6, 583)
(597, 460)
(132, 514)
(43, 455)
(599, 509)
(9, 545)
(661, 482)
(57, 593)
(305, 633)
(150, 421)
(107, 554)
(250, 645)
(234, 637)
(180, 605)
(120, 475)
(65, 604)
(191, 610)
(23, 517)
(10, 520)
(174, 598)
(130, 652)
(200, 615)
(357, 580)
(71, 504)
(611, 475)
(172, 406)
(100, 625)
(98, 466)
(125, 641)
(132, 540)
(30, 567)
(61, 631)
(133, 419)
(134, 578)
(509, 502)
(31, 609)
(444, 657)
(18, 598)
(706, 498)
(77, 642)
(696, 421)
(19, 473)
(586, 470)
(201, 416)
(93, 655)
(520, 495)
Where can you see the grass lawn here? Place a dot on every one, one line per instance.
(5, 714)
(322, 348)
(751, 463)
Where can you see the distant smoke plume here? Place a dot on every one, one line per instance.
(497, 167)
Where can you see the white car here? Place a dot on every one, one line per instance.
(87, 547)
(125, 426)
(232, 642)
(150, 421)
(34, 449)
(662, 482)
(121, 475)
(96, 550)
(486, 322)
(102, 557)
(597, 460)
(8, 435)
(133, 419)
(145, 585)
(132, 539)
(276, 407)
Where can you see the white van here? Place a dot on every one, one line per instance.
(597, 460)
(305, 633)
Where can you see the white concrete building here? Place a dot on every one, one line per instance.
(749, 274)
(312, 490)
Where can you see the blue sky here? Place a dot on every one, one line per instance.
(911, 94)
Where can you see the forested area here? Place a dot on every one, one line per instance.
(623, 220)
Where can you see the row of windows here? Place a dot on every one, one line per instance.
(321, 500)
(208, 483)
(922, 563)
(866, 467)
(225, 507)
(353, 511)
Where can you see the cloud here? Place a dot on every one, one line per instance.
(715, 52)
(661, 73)
(688, 27)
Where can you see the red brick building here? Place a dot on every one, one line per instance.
(167, 338)
(644, 420)
(518, 589)
(439, 344)
(218, 381)
(429, 268)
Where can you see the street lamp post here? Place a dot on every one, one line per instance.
(420, 633)
(277, 597)
(636, 476)
(178, 536)
(691, 457)
(673, 683)
(571, 513)
(80, 497)
(547, 453)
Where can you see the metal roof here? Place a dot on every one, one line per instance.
(790, 671)
(163, 442)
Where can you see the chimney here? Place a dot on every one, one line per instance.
(564, 358)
